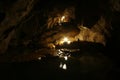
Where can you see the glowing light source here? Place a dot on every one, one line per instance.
(65, 40)
(68, 42)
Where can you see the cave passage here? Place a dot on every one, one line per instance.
(59, 39)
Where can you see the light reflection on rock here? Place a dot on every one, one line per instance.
(66, 58)
(63, 66)
(60, 65)
(39, 58)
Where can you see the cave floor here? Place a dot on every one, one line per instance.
(85, 66)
